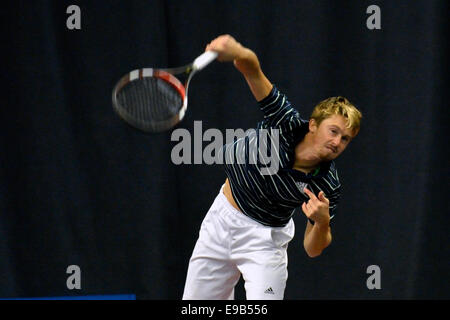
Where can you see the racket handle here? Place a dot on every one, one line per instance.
(204, 59)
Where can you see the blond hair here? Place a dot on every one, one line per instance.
(340, 106)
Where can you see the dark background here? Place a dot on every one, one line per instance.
(79, 186)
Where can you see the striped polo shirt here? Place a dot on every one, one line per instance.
(271, 199)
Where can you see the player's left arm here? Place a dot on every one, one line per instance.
(318, 236)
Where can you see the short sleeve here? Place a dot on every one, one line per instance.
(278, 111)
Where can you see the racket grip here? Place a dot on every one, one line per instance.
(204, 59)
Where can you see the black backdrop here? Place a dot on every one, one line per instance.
(80, 187)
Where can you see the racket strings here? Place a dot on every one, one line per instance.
(150, 100)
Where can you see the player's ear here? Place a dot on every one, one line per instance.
(312, 125)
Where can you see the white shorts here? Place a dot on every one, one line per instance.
(231, 244)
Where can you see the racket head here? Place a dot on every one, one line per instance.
(152, 100)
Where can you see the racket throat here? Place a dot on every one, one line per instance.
(184, 107)
(185, 98)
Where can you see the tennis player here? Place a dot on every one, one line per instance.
(248, 227)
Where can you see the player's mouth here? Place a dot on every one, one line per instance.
(333, 149)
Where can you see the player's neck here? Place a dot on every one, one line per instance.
(306, 158)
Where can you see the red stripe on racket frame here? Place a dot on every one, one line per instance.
(172, 80)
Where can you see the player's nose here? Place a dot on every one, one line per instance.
(336, 141)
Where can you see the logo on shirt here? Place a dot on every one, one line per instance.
(301, 185)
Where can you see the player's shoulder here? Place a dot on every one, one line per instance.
(275, 97)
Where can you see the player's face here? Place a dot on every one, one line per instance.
(331, 137)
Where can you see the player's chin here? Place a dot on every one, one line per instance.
(328, 156)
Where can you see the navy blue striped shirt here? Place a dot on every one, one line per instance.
(271, 199)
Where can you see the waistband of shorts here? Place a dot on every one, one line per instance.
(229, 207)
(239, 214)
(221, 196)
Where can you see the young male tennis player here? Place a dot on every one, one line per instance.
(248, 227)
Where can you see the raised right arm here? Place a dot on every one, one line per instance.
(245, 60)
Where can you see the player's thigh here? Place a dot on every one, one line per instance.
(210, 279)
(262, 259)
(211, 274)
(265, 275)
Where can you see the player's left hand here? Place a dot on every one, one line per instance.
(317, 208)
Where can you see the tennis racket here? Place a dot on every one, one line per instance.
(155, 100)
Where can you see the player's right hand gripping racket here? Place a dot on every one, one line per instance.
(154, 100)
